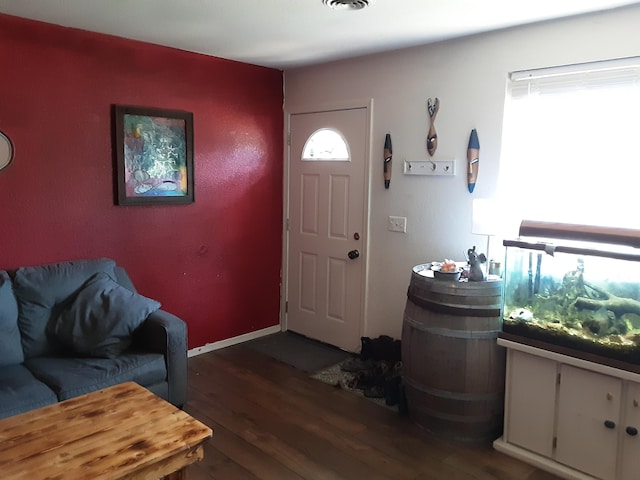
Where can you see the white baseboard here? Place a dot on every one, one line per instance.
(210, 347)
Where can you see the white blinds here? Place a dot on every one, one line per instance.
(608, 74)
(571, 144)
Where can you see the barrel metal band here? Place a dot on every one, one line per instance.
(434, 392)
(451, 309)
(447, 332)
(459, 418)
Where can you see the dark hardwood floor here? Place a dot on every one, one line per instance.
(273, 422)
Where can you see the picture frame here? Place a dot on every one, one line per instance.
(153, 156)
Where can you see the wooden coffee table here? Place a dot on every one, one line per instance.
(120, 432)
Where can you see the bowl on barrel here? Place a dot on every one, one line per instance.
(451, 276)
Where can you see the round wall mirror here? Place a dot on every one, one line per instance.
(6, 151)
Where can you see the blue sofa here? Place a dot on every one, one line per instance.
(70, 328)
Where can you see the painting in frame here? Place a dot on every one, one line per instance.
(154, 156)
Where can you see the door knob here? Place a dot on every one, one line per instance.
(353, 254)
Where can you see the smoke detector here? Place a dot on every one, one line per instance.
(347, 4)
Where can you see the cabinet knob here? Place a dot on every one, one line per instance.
(631, 431)
(609, 424)
(635, 402)
(609, 396)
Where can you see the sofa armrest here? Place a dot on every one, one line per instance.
(163, 332)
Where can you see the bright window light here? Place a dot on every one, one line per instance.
(570, 147)
(327, 145)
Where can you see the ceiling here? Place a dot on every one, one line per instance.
(285, 34)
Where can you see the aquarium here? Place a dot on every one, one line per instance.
(574, 287)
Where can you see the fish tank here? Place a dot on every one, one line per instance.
(574, 289)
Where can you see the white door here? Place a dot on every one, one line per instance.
(326, 226)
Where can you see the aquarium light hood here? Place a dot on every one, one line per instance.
(584, 233)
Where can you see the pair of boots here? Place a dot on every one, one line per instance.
(379, 379)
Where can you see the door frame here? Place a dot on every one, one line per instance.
(367, 104)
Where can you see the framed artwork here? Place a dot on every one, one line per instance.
(154, 156)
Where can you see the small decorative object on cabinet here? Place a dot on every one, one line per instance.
(571, 326)
(476, 274)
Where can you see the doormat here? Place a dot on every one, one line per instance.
(348, 381)
(298, 351)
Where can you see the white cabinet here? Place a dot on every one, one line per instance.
(588, 421)
(630, 468)
(530, 401)
(578, 419)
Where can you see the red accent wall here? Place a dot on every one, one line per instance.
(216, 262)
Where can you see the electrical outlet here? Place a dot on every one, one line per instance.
(398, 224)
(430, 167)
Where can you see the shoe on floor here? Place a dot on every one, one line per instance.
(364, 380)
(376, 391)
(356, 364)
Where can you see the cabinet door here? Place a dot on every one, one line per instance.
(630, 467)
(588, 421)
(531, 397)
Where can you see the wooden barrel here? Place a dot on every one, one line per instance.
(453, 369)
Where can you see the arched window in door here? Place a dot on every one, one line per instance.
(326, 144)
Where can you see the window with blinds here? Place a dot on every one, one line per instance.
(571, 144)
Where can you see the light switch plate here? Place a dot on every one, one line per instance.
(398, 224)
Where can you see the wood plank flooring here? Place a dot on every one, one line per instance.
(273, 422)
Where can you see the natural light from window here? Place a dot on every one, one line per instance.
(326, 145)
(571, 144)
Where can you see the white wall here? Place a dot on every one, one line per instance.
(469, 78)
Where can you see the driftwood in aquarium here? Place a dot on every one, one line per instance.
(617, 305)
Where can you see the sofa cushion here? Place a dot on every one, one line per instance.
(20, 391)
(69, 377)
(122, 277)
(101, 318)
(10, 343)
(41, 292)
